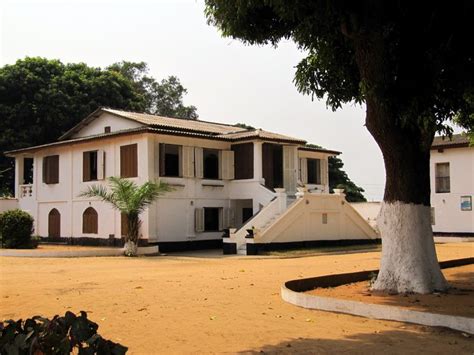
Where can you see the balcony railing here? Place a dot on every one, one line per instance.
(26, 191)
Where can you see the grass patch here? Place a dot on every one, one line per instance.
(323, 250)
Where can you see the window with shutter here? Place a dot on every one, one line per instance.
(211, 164)
(227, 164)
(314, 171)
(212, 219)
(89, 165)
(90, 221)
(243, 161)
(51, 169)
(170, 159)
(129, 161)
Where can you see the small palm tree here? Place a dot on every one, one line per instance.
(131, 200)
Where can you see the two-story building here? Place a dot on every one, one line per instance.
(223, 177)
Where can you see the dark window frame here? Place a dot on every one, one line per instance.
(51, 169)
(212, 217)
(442, 183)
(90, 165)
(170, 161)
(210, 164)
(313, 171)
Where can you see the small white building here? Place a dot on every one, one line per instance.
(224, 177)
(452, 186)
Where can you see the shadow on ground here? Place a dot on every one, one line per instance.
(385, 342)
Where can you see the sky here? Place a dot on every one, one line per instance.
(226, 80)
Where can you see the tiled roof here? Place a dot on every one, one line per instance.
(456, 141)
(260, 133)
(159, 121)
(170, 126)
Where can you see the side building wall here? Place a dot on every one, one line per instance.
(448, 217)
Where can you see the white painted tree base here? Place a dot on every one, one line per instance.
(409, 262)
(130, 249)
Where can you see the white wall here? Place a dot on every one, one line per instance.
(7, 204)
(448, 215)
(106, 119)
(368, 210)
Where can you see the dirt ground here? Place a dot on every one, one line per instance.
(457, 301)
(171, 304)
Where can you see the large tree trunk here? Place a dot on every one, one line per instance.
(409, 262)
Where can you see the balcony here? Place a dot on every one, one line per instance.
(26, 191)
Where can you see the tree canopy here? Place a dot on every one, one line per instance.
(42, 98)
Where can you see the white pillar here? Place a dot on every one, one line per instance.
(257, 161)
(18, 175)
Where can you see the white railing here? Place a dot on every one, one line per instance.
(262, 219)
(26, 191)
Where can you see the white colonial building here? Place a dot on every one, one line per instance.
(452, 185)
(224, 178)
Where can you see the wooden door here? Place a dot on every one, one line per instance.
(54, 224)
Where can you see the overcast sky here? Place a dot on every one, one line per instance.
(226, 81)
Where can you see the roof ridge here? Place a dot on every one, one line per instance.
(177, 118)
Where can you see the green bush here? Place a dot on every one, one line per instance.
(16, 227)
(60, 335)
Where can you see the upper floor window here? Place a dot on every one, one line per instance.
(28, 170)
(314, 171)
(170, 160)
(243, 165)
(51, 169)
(129, 161)
(211, 163)
(89, 166)
(442, 179)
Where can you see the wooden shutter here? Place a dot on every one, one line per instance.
(51, 169)
(86, 166)
(199, 220)
(90, 221)
(198, 162)
(304, 170)
(227, 165)
(289, 169)
(101, 165)
(324, 171)
(227, 218)
(129, 161)
(156, 159)
(221, 219)
(54, 224)
(187, 161)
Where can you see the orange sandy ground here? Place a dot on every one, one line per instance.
(457, 301)
(211, 305)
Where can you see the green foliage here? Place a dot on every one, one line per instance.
(425, 67)
(243, 125)
(60, 335)
(163, 98)
(16, 228)
(338, 179)
(40, 99)
(129, 198)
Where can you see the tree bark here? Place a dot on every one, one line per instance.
(409, 262)
(130, 248)
(131, 241)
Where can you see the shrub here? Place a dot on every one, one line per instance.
(16, 227)
(60, 335)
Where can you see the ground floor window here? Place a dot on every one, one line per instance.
(211, 219)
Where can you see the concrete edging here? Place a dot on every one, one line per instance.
(33, 253)
(293, 292)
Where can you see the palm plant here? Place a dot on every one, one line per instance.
(131, 200)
